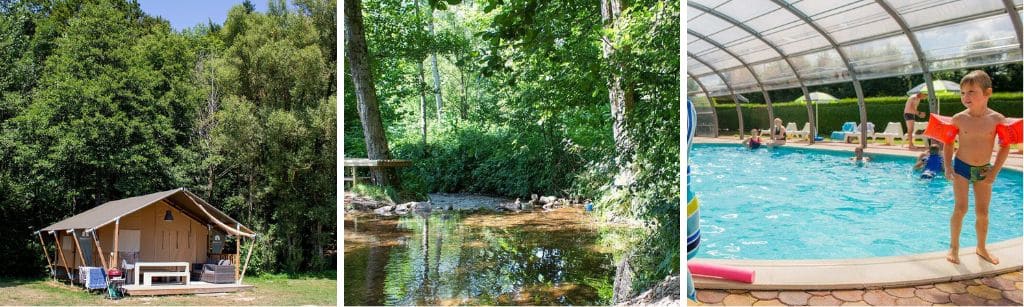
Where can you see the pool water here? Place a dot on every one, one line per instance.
(791, 203)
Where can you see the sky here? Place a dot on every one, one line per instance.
(188, 13)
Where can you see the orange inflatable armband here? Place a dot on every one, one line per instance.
(1009, 131)
(941, 128)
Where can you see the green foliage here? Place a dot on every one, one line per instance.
(652, 62)
(375, 192)
(1005, 78)
(101, 101)
(880, 110)
(274, 134)
(501, 161)
(527, 109)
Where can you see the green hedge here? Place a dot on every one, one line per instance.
(831, 117)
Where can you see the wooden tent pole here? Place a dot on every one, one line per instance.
(238, 255)
(47, 254)
(218, 222)
(60, 250)
(113, 253)
(78, 247)
(247, 256)
(99, 249)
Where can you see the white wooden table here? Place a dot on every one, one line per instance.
(184, 265)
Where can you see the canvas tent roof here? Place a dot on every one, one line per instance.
(109, 212)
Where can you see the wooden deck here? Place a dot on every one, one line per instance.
(195, 287)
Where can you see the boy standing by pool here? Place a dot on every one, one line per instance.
(977, 131)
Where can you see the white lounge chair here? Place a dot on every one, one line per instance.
(790, 129)
(919, 128)
(802, 133)
(856, 132)
(893, 130)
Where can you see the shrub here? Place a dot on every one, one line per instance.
(880, 110)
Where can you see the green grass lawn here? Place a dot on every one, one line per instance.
(269, 289)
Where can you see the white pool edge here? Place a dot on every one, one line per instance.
(868, 273)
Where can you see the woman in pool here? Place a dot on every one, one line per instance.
(754, 142)
(778, 134)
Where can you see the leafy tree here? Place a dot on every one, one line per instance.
(531, 82)
(101, 101)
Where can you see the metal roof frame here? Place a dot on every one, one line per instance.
(1008, 7)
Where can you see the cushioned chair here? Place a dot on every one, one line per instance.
(841, 135)
(856, 133)
(215, 272)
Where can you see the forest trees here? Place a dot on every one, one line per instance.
(549, 90)
(369, 114)
(101, 101)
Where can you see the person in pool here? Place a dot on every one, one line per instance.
(930, 162)
(754, 142)
(972, 163)
(859, 156)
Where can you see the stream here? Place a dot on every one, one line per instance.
(557, 257)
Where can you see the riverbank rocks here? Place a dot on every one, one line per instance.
(402, 208)
(355, 202)
(664, 293)
(622, 287)
(455, 202)
(385, 210)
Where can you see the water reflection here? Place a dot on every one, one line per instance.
(539, 258)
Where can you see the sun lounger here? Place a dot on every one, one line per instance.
(893, 130)
(841, 135)
(919, 128)
(802, 133)
(849, 137)
(790, 129)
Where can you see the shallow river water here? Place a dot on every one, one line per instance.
(452, 258)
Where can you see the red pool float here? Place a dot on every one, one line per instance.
(941, 128)
(1009, 131)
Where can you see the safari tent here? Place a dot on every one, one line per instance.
(170, 242)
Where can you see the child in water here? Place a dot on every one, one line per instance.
(931, 162)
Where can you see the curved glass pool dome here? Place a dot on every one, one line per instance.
(791, 203)
(748, 46)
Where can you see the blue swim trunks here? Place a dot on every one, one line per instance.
(969, 172)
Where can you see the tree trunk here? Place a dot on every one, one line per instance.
(620, 93)
(366, 94)
(207, 120)
(423, 106)
(464, 105)
(419, 86)
(433, 60)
